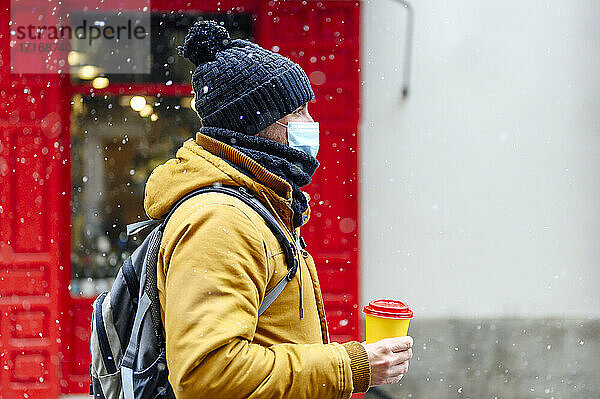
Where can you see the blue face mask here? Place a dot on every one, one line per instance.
(303, 136)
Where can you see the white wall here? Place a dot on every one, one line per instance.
(480, 193)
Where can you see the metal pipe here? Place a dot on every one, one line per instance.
(410, 20)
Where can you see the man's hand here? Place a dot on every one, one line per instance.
(389, 359)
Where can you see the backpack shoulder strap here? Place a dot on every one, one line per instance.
(134, 228)
(243, 194)
(288, 247)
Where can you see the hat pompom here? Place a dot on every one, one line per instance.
(203, 41)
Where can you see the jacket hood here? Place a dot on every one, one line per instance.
(206, 161)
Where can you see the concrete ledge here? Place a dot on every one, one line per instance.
(501, 359)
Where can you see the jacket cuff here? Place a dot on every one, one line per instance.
(359, 364)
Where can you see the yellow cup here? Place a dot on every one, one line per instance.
(386, 318)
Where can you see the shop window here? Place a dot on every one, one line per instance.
(114, 149)
(116, 142)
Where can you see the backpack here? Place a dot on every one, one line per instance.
(127, 342)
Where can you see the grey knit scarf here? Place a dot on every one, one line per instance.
(294, 166)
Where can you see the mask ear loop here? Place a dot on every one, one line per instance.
(286, 130)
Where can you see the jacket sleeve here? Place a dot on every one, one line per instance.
(211, 298)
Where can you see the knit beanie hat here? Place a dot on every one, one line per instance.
(239, 85)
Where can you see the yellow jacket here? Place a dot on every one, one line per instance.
(217, 260)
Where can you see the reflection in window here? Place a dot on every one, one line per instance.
(116, 142)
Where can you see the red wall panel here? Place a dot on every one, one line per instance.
(44, 333)
(34, 233)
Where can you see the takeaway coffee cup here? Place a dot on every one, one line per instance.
(386, 318)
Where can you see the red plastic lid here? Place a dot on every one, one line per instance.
(389, 308)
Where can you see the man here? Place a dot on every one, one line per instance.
(218, 258)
